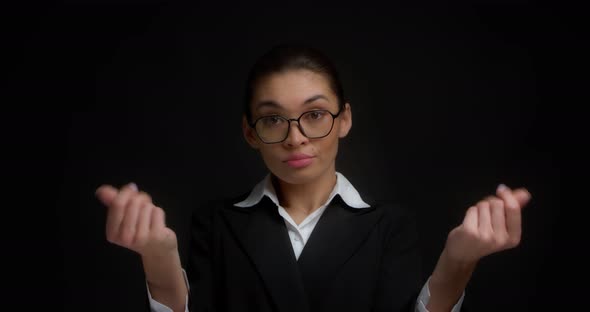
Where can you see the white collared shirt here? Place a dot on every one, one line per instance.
(300, 233)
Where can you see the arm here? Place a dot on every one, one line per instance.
(166, 281)
(493, 225)
(200, 267)
(134, 222)
(156, 306)
(424, 298)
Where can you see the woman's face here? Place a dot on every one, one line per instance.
(289, 94)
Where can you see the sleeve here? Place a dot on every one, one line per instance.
(400, 272)
(199, 269)
(155, 306)
(424, 297)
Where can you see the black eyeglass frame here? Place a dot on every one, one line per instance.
(334, 116)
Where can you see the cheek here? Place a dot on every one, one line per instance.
(328, 146)
(269, 153)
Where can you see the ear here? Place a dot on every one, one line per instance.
(249, 134)
(345, 121)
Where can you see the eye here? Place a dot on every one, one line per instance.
(316, 115)
(272, 121)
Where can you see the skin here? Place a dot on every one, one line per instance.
(491, 225)
(300, 190)
(134, 222)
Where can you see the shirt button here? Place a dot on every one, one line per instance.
(296, 239)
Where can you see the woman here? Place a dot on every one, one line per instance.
(247, 254)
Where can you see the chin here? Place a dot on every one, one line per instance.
(298, 176)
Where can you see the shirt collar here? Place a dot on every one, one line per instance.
(343, 188)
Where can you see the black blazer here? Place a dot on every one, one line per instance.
(241, 259)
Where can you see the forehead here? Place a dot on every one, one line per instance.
(291, 89)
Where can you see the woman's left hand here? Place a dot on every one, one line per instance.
(492, 225)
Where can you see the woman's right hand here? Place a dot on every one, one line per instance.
(134, 222)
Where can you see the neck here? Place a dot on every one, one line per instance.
(308, 197)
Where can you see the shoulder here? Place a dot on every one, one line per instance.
(209, 208)
(397, 226)
(391, 208)
(395, 216)
(387, 204)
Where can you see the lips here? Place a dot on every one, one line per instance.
(299, 160)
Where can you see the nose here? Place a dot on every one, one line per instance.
(295, 136)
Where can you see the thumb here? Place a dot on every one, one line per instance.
(106, 194)
(522, 196)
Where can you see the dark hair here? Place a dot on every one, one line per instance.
(286, 57)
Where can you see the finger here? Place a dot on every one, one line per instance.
(129, 224)
(116, 212)
(106, 194)
(513, 221)
(143, 224)
(470, 220)
(522, 196)
(498, 218)
(490, 197)
(124, 194)
(507, 196)
(484, 219)
(145, 196)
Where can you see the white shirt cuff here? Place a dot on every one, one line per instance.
(424, 297)
(155, 306)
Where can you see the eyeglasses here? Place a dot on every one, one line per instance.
(313, 124)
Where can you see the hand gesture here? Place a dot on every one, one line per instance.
(492, 225)
(134, 222)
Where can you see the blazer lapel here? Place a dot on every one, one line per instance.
(262, 233)
(337, 235)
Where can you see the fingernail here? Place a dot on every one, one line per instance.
(133, 186)
(501, 188)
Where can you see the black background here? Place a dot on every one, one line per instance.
(447, 103)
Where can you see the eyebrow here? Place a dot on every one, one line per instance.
(274, 104)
